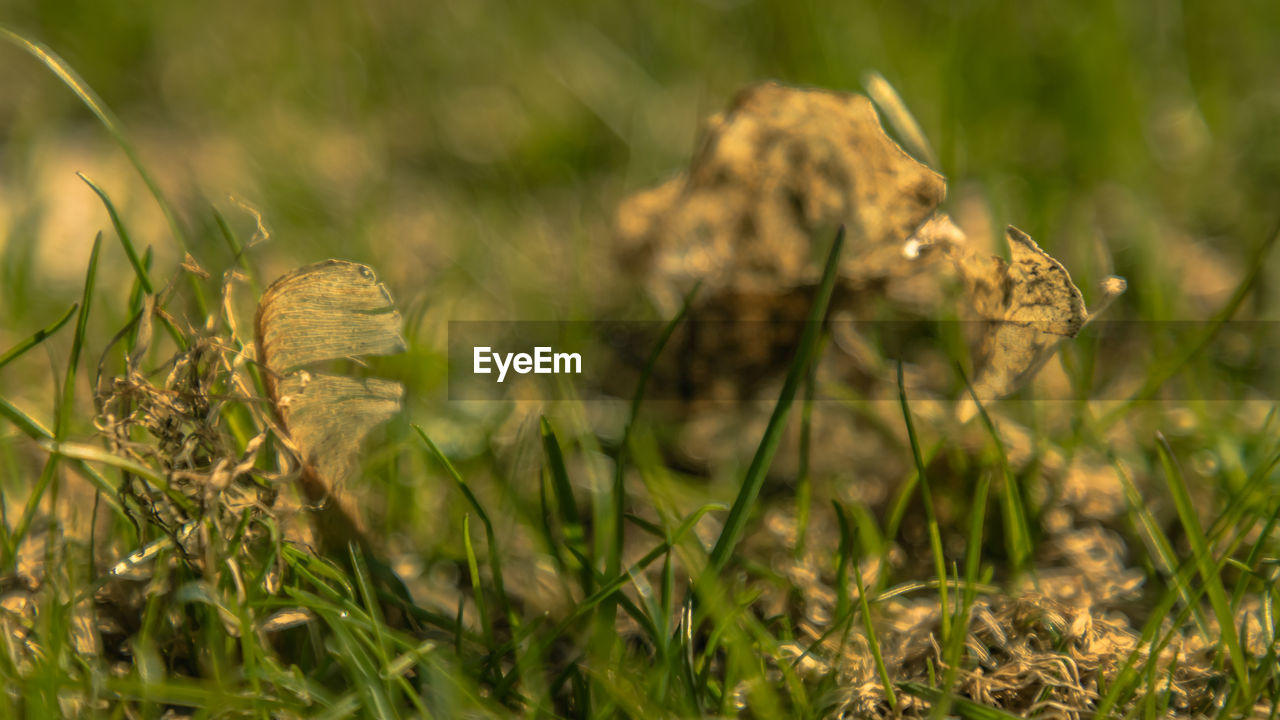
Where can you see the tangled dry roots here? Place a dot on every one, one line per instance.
(178, 429)
(211, 466)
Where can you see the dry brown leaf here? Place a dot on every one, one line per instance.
(1029, 304)
(319, 313)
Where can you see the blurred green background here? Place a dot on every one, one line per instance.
(434, 139)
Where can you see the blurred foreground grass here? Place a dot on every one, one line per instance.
(473, 152)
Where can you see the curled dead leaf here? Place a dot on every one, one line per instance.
(1030, 305)
(320, 313)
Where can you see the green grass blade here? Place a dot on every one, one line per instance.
(570, 519)
(477, 590)
(864, 608)
(139, 264)
(954, 651)
(1017, 527)
(935, 534)
(902, 500)
(735, 524)
(40, 336)
(495, 557)
(63, 411)
(977, 522)
(352, 655)
(895, 111)
(1161, 547)
(963, 707)
(804, 480)
(370, 598)
(613, 563)
(90, 99)
(844, 553)
(77, 340)
(90, 453)
(1204, 559)
(33, 429)
(29, 426)
(129, 250)
(1255, 554)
